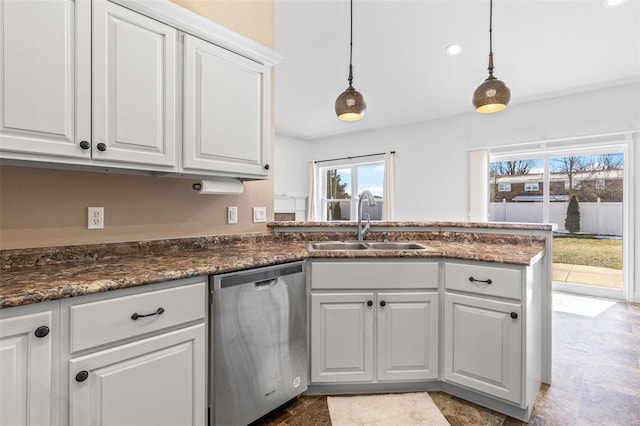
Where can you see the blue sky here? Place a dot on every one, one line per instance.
(538, 166)
(370, 176)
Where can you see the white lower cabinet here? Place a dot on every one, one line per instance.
(341, 337)
(28, 340)
(136, 356)
(367, 336)
(376, 335)
(483, 345)
(376, 325)
(407, 336)
(493, 334)
(151, 382)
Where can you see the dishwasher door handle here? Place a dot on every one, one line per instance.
(265, 283)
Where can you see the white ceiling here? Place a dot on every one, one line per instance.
(542, 49)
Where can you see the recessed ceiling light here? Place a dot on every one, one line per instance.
(613, 3)
(454, 49)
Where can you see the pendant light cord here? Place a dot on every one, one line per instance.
(351, 46)
(490, 40)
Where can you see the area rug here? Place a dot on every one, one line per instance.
(397, 409)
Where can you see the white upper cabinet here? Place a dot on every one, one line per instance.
(226, 110)
(103, 83)
(134, 87)
(45, 70)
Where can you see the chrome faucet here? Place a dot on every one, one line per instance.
(362, 233)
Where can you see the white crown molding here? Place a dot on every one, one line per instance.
(201, 27)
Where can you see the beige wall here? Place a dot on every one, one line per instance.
(41, 207)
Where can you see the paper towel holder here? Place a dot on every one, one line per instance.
(218, 186)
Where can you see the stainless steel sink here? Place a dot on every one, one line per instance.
(358, 245)
(396, 245)
(339, 245)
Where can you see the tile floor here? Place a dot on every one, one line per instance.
(596, 379)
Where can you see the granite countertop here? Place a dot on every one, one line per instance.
(419, 224)
(37, 275)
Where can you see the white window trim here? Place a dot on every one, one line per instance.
(343, 164)
(532, 187)
(504, 187)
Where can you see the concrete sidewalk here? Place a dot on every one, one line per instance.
(587, 275)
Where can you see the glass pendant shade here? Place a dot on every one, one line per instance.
(351, 105)
(492, 95)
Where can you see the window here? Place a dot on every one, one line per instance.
(532, 187)
(504, 187)
(600, 184)
(340, 187)
(575, 184)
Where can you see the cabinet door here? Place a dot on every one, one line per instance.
(483, 345)
(25, 368)
(134, 85)
(45, 74)
(157, 381)
(226, 111)
(407, 331)
(341, 337)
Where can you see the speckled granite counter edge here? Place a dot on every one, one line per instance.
(418, 224)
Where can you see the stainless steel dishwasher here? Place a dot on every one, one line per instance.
(258, 359)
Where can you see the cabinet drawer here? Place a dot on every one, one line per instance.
(374, 275)
(504, 281)
(106, 321)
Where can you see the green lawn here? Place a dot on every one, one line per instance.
(588, 251)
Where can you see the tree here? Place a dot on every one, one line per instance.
(570, 166)
(519, 167)
(572, 221)
(336, 189)
(585, 167)
(611, 161)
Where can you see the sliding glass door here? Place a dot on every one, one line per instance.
(582, 190)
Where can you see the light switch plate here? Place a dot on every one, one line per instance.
(232, 215)
(259, 214)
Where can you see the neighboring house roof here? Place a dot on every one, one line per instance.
(561, 177)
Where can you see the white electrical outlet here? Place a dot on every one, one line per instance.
(96, 218)
(259, 214)
(232, 215)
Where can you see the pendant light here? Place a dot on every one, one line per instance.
(493, 95)
(350, 105)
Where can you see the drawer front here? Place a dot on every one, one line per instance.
(106, 321)
(374, 275)
(504, 281)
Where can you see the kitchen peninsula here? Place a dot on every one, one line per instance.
(57, 278)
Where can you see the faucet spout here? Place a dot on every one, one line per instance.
(371, 201)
